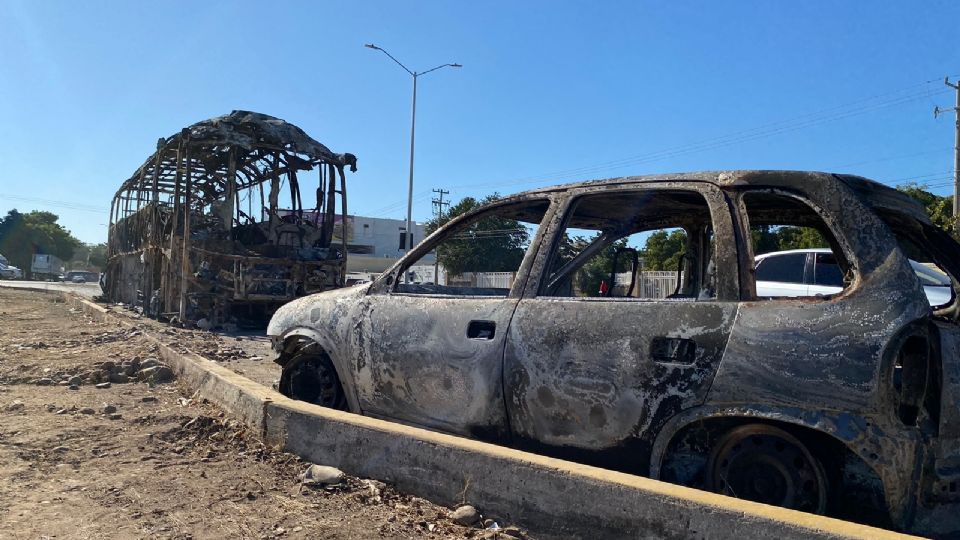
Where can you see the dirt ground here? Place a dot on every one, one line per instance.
(142, 459)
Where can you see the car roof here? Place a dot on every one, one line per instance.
(872, 193)
(789, 251)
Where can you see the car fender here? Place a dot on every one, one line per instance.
(324, 318)
(340, 363)
(892, 454)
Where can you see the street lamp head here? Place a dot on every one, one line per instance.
(371, 46)
(456, 65)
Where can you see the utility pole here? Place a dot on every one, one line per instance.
(956, 153)
(438, 206)
(439, 203)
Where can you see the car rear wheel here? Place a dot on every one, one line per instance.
(766, 464)
(311, 377)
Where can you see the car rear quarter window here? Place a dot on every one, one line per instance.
(791, 233)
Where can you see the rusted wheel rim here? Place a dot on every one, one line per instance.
(766, 464)
(314, 380)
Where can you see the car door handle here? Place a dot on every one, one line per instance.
(673, 350)
(481, 329)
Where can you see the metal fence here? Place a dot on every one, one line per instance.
(651, 284)
(494, 280)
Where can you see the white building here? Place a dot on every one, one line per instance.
(373, 244)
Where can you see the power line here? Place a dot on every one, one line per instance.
(890, 158)
(52, 202)
(810, 120)
(831, 114)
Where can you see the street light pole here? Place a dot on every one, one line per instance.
(408, 232)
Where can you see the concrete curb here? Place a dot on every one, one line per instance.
(549, 497)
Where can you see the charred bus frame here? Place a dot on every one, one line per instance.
(197, 232)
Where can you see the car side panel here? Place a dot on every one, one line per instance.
(582, 374)
(420, 366)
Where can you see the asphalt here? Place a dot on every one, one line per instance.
(87, 290)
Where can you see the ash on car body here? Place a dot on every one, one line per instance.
(842, 403)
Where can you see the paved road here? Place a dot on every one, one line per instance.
(86, 289)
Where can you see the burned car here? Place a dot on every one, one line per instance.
(843, 404)
(230, 218)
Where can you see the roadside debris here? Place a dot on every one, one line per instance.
(320, 476)
(466, 515)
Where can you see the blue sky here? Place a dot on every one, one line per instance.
(550, 92)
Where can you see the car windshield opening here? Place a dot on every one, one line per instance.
(478, 257)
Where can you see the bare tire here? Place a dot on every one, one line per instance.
(311, 377)
(766, 464)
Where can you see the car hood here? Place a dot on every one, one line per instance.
(298, 312)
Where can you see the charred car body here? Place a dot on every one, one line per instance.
(817, 403)
(198, 231)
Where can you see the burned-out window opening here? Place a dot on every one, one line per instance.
(796, 253)
(647, 244)
(229, 218)
(480, 256)
(935, 264)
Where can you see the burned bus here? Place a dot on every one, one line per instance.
(227, 220)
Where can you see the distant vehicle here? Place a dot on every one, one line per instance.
(79, 276)
(10, 272)
(46, 267)
(815, 272)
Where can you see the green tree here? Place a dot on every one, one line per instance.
(799, 238)
(492, 244)
(664, 249)
(22, 235)
(88, 257)
(599, 267)
(939, 209)
(764, 239)
(767, 238)
(98, 255)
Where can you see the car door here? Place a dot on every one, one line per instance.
(827, 275)
(592, 372)
(434, 351)
(782, 275)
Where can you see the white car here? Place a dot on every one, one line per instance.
(815, 272)
(10, 272)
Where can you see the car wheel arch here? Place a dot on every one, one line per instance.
(822, 443)
(328, 346)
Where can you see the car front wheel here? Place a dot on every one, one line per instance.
(763, 463)
(311, 377)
